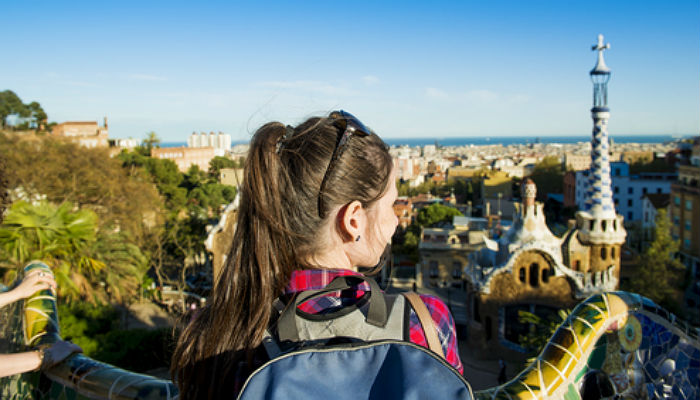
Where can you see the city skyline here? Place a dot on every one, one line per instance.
(406, 69)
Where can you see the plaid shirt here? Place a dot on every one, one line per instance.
(315, 279)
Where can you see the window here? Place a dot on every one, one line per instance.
(521, 275)
(617, 173)
(617, 190)
(658, 190)
(617, 201)
(689, 205)
(630, 190)
(612, 252)
(456, 270)
(433, 269)
(514, 329)
(577, 265)
(603, 253)
(534, 274)
(629, 203)
(676, 220)
(686, 243)
(629, 216)
(677, 200)
(545, 275)
(687, 225)
(644, 190)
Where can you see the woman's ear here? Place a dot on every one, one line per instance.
(351, 221)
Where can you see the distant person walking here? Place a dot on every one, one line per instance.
(502, 372)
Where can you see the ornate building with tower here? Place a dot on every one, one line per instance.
(530, 269)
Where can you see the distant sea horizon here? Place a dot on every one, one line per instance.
(496, 140)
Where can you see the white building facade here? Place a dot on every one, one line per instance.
(220, 142)
(627, 190)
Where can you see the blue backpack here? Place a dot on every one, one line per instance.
(356, 352)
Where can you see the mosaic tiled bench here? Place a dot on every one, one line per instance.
(631, 345)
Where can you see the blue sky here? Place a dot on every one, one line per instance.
(407, 69)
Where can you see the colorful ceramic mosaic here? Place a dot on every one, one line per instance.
(612, 344)
(78, 377)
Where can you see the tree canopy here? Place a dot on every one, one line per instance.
(218, 163)
(146, 211)
(88, 178)
(548, 175)
(436, 213)
(11, 104)
(659, 274)
(88, 264)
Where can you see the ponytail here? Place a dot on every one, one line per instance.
(232, 323)
(276, 232)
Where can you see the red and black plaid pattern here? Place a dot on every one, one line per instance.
(314, 279)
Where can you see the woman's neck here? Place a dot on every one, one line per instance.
(334, 258)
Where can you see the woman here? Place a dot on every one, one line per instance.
(315, 203)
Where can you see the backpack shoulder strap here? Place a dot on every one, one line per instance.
(426, 321)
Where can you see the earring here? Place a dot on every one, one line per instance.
(357, 239)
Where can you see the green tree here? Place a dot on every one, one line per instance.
(125, 270)
(659, 274)
(646, 165)
(163, 173)
(405, 188)
(124, 198)
(435, 213)
(152, 140)
(37, 113)
(548, 175)
(194, 178)
(55, 235)
(10, 104)
(87, 264)
(217, 163)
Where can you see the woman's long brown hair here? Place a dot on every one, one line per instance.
(277, 231)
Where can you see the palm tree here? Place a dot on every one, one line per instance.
(87, 264)
(152, 140)
(126, 266)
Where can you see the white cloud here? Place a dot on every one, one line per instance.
(370, 80)
(483, 95)
(434, 93)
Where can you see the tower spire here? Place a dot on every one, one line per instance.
(598, 222)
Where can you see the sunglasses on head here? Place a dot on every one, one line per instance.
(348, 126)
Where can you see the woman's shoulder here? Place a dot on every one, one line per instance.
(438, 309)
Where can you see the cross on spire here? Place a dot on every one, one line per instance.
(600, 67)
(600, 46)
